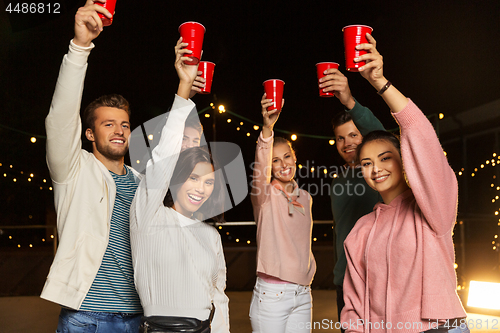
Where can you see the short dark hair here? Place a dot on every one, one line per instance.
(188, 159)
(379, 136)
(340, 119)
(112, 101)
(194, 122)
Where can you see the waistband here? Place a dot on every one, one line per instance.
(281, 286)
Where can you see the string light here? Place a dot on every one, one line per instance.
(33, 139)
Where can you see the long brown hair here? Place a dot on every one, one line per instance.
(188, 159)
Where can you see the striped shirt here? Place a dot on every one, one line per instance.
(113, 289)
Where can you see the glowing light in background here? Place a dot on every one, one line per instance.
(484, 295)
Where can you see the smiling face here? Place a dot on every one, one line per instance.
(348, 138)
(383, 169)
(191, 138)
(111, 133)
(193, 193)
(283, 164)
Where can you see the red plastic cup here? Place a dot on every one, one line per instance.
(193, 33)
(274, 91)
(207, 69)
(110, 6)
(354, 35)
(321, 67)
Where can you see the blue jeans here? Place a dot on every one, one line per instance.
(72, 321)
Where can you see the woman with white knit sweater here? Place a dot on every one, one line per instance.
(282, 300)
(179, 267)
(400, 258)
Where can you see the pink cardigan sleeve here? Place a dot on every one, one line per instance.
(262, 170)
(431, 178)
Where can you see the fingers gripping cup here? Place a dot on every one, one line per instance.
(354, 35)
(110, 6)
(193, 33)
(321, 67)
(207, 69)
(274, 91)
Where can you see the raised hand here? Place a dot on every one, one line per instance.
(187, 73)
(198, 84)
(269, 118)
(373, 70)
(337, 82)
(88, 24)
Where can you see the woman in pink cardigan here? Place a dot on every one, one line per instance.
(400, 258)
(281, 301)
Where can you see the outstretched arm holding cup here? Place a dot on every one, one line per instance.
(92, 195)
(178, 260)
(418, 213)
(88, 24)
(374, 73)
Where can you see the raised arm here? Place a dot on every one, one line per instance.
(374, 73)
(362, 117)
(263, 155)
(431, 178)
(63, 124)
(154, 186)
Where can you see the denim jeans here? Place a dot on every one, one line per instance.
(72, 321)
(281, 308)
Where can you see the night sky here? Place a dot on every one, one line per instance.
(442, 54)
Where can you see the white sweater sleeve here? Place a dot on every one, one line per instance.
(63, 124)
(220, 323)
(154, 185)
